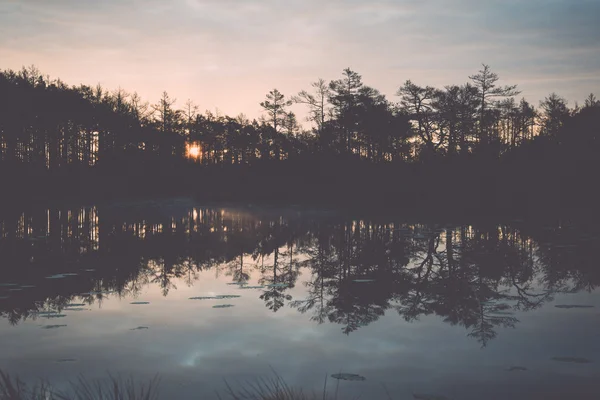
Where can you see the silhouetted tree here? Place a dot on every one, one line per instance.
(485, 82)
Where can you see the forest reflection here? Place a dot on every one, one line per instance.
(351, 271)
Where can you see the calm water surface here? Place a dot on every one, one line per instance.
(465, 312)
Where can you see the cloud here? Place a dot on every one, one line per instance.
(229, 53)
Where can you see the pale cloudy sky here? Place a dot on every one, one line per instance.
(229, 53)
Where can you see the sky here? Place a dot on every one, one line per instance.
(227, 54)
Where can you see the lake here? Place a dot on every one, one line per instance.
(203, 294)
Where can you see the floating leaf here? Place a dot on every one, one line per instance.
(52, 326)
(228, 296)
(55, 315)
(223, 306)
(276, 285)
(577, 360)
(57, 276)
(44, 312)
(572, 306)
(363, 280)
(70, 274)
(27, 286)
(15, 289)
(98, 292)
(348, 377)
(203, 298)
(139, 328)
(75, 309)
(516, 368)
(75, 305)
(252, 287)
(89, 270)
(8, 284)
(140, 302)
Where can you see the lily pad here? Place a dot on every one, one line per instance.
(44, 312)
(57, 276)
(55, 315)
(276, 285)
(140, 302)
(97, 292)
(204, 298)
(139, 328)
(223, 306)
(75, 305)
(573, 306)
(70, 274)
(516, 368)
(252, 287)
(576, 360)
(236, 283)
(75, 309)
(27, 286)
(52, 326)
(363, 280)
(8, 284)
(89, 270)
(15, 290)
(228, 296)
(348, 377)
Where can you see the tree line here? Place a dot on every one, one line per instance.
(47, 124)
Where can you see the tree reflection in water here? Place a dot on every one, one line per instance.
(353, 271)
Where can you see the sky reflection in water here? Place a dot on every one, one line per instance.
(460, 320)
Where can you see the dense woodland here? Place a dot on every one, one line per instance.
(473, 276)
(477, 136)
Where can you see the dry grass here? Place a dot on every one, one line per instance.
(114, 388)
(275, 388)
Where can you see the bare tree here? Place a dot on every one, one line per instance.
(317, 102)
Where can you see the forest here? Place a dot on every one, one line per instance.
(475, 145)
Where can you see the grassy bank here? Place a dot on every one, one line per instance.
(117, 388)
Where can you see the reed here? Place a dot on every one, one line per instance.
(117, 388)
(113, 388)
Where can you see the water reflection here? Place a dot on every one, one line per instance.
(351, 272)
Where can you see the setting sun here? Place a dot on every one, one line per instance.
(193, 151)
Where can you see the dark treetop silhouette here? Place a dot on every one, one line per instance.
(472, 140)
